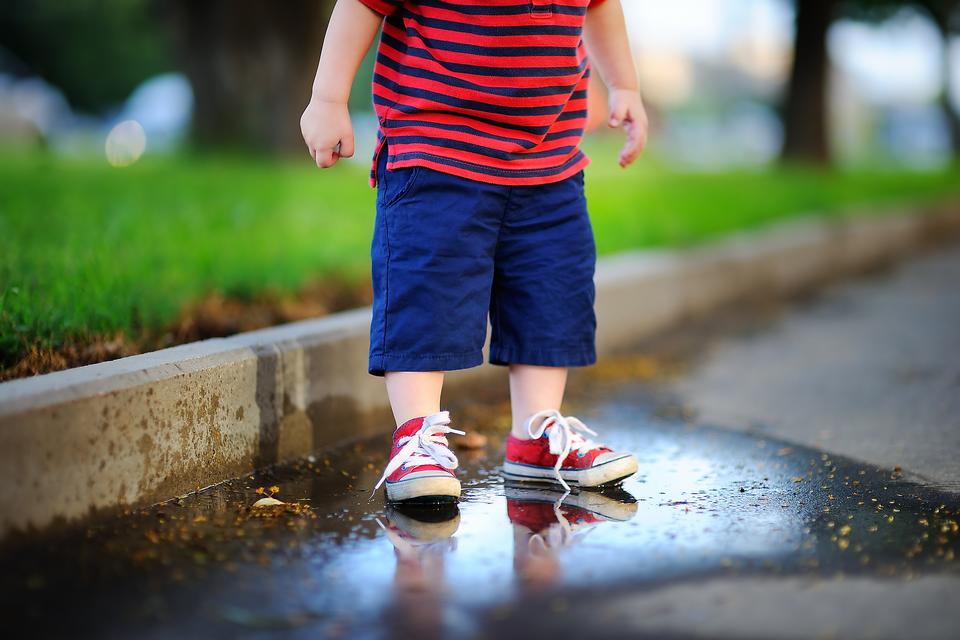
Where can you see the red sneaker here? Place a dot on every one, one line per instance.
(421, 464)
(557, 452)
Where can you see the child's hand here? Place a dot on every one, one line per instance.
(626, 109)
(328, 132)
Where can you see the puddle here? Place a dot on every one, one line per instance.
(707, 502)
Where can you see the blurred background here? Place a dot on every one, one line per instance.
(154, 188)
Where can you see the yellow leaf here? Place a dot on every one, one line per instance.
(267, 502)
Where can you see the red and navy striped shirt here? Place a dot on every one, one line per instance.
(492, 90)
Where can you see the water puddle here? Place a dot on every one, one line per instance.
(707, 502)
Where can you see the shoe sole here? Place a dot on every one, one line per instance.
(608, 473)
(424, 490)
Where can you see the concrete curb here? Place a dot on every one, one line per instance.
(146, 428)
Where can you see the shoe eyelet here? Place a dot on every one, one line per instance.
(581, 454)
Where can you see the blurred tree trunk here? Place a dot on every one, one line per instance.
(251, 64)
(942, 12)
(806, 135)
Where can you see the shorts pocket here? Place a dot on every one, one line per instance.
(396, 183)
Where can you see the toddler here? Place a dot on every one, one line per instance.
(480, 210)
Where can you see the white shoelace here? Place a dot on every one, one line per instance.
(427, 446)
(562, 433)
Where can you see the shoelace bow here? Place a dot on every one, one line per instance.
(563, 434)
(427, 446)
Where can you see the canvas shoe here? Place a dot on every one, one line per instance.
(557, 451)
(421, 464)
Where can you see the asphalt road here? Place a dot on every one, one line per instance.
(870, 370)
(798, 475)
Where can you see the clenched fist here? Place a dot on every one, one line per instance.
(328, 132)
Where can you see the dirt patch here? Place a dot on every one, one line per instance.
(213, 316)
(73, 353)
(217, 315)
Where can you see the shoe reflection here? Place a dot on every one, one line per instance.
(546, 520)
(421, 538)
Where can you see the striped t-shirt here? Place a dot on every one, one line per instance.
(492, 90)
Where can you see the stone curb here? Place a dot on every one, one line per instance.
(150, 427)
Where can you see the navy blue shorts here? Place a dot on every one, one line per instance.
(447, 250)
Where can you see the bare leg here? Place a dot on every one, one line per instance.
(413, 393)
(534, 389)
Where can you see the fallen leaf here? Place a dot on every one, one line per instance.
(267, 502)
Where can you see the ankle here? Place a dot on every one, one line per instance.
(520, 432)
(534, 421)
(406, 422)
(402, 419)
(521, 428)
(441, 416)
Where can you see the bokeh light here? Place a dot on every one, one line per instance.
(126, 142)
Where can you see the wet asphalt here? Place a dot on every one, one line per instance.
(725, 532)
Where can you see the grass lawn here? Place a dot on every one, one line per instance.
(88, 250)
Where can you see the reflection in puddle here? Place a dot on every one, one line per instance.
(707, 502)
(546, 522)
(421, 538)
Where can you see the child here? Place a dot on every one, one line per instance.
(480, 209)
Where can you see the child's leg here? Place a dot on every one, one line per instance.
(420, 466)
(533, 389)
(413, 394)
(542, 314)
(432, 268)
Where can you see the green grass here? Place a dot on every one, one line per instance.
(86, 249)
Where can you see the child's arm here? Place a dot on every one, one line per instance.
(325, 122)
(605, 35)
